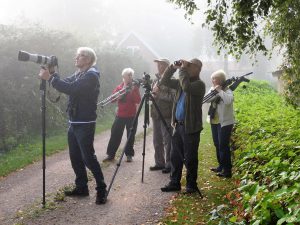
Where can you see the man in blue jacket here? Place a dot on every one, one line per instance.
(82, 88)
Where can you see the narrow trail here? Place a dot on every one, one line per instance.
(130, 201)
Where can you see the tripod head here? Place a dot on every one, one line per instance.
(145, 82)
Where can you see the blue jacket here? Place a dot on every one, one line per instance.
(83, 90)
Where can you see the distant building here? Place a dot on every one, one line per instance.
(135, 44)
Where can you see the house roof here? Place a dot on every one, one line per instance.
(139, 38)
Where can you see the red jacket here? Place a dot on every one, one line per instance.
(127, 104)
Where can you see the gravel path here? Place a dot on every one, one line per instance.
(130, 201)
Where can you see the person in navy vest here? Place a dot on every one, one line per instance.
(82, 87)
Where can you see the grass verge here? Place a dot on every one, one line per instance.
(27, 153)
(191, 209)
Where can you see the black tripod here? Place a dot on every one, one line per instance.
(43, 108)
(145, 99)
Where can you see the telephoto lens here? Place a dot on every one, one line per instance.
(177, 63)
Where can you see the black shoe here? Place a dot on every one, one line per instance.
(108, 159)
(189, 190)
(171, 187)
(129, 158)
(153, 168)
(166, 170)
(101, 197)
(82, 192)
(216, 170)
(225, 175)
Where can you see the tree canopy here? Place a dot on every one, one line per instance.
(242, 26)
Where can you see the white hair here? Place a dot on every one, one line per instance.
(128, 71)
(89, 52)
(219, 74)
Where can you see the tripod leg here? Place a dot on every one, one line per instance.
(43, 94)
(135, 120)
(146, 122)
(168, 129)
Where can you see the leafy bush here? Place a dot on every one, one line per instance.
(267, 142)
(19, 87)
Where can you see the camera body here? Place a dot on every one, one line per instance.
(145, 81)
(50, 61)
(177, 63)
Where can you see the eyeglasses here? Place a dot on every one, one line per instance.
(80, 55)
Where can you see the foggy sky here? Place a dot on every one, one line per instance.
(159, 23)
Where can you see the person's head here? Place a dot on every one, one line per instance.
(162, 64)
(85, 58)
(194, 67)
(218, 77)
(127, 75)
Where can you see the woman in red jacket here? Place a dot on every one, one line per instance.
(127, 106)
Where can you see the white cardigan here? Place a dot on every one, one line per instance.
(225, 107)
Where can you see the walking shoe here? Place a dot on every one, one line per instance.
(108, 159)
(216, 169)
(189, 190)
(171, 187)
(129, 158)
(77, 192)
(153, 168)
(101, 197)
(166, 170)
(224, 174)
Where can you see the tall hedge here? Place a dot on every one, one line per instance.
(267, 142)
(19, 84)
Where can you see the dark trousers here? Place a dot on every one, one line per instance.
(216, 133)
(82, 154)
(117, 133)
(184, 146)
(221, 138)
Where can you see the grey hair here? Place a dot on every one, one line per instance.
(89, 52)
(219, 74)
(128, 71)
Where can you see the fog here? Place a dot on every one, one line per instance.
(160, 24)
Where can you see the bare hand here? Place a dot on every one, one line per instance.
(44, 74)
(218, 88)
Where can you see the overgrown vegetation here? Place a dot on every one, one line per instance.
(267, 142)
(244, 26)
(19, 87)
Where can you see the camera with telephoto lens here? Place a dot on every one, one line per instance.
(145, 81)
(50, 61)
(177, 63)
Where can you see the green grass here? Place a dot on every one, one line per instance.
(191, 209)
(29, 152)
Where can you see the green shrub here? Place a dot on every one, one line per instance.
(267, 143)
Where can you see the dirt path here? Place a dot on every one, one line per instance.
(130, 201)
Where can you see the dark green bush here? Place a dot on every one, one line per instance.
(20, 103)
(267, 162)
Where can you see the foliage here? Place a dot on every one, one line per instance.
(267, 145)
(243, 26)
(19, 87)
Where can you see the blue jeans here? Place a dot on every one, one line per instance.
(221, 138)
(82, 155)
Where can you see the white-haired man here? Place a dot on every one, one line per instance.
(82, 87)
(127, 106)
